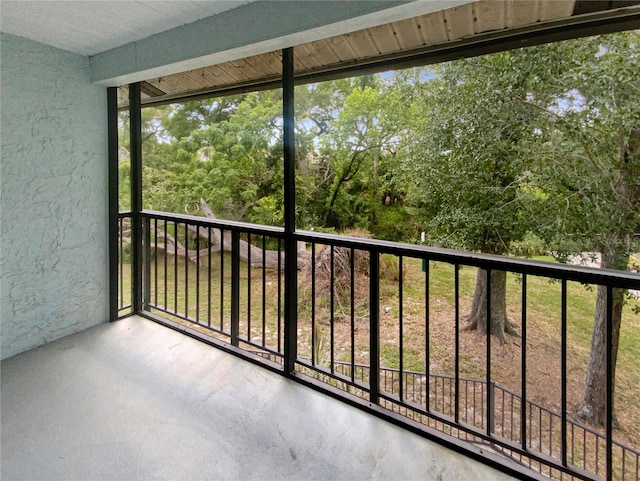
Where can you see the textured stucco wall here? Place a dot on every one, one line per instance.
(53, 258)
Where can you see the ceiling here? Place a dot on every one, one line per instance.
(90, 27)
(429, 33)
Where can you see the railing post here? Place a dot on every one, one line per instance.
(135, 126)
(490, 414)
(523, 361)
(290, 243)
(235, 287)
(112, 123)
(609, 386)
(146, 262)
(563, 372)
(491, 406)
(374, 326)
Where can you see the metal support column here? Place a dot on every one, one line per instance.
(235, 288)
(290, 244)
(374, 326)
(112, 168)
(135, 125)
(608, 418)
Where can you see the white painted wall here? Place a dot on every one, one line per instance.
(53, 178)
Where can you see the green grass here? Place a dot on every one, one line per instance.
(543, 299)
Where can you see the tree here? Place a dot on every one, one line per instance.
(469, 165)
(227, 151)
(589, 172)
(356, 129)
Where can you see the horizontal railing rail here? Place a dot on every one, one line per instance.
(362, 304)
(585, 274)
(229, 225)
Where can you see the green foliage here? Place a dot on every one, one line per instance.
(469, 161)
(357, 144)
(530, 246)
(124, 186)
(589, 144)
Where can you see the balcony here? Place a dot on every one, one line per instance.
(332, 367)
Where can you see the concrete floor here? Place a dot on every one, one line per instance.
(136, 401)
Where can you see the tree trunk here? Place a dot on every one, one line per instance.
(592, 406)
(478, 315)
(615, 255)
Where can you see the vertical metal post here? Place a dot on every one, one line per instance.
(563, 372)
(112, 167)
(456, 290)
(135, 126)
(352, 308)
(401, 329)
(490, 413)
(491, 396)
(427, 334)
(235, 287)
(609, 386)
(523, 372)
(374, 327)
(290, 244)
(146, 263)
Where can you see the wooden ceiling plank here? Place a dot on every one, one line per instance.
(212, 76)
(233, 72)
(519, 13)
(435, 28)
(408, 34)
(393, 34)
(373, 39)
(362, 47)
(189, 80)
(199, 78)
(323, 53)
(459, 22)
(362, 42)
(335, 46)
(301, 57)
(223, 75)
(168, 84)
(272, 63)
(490, 16)
(313, 58)
(148, 88)
(249, 64)
(417, 24)
(352, 48)
(557, 9)
(383, 39)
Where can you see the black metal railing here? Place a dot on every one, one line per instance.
(507, 405)
(194, 273)
(369, 321)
